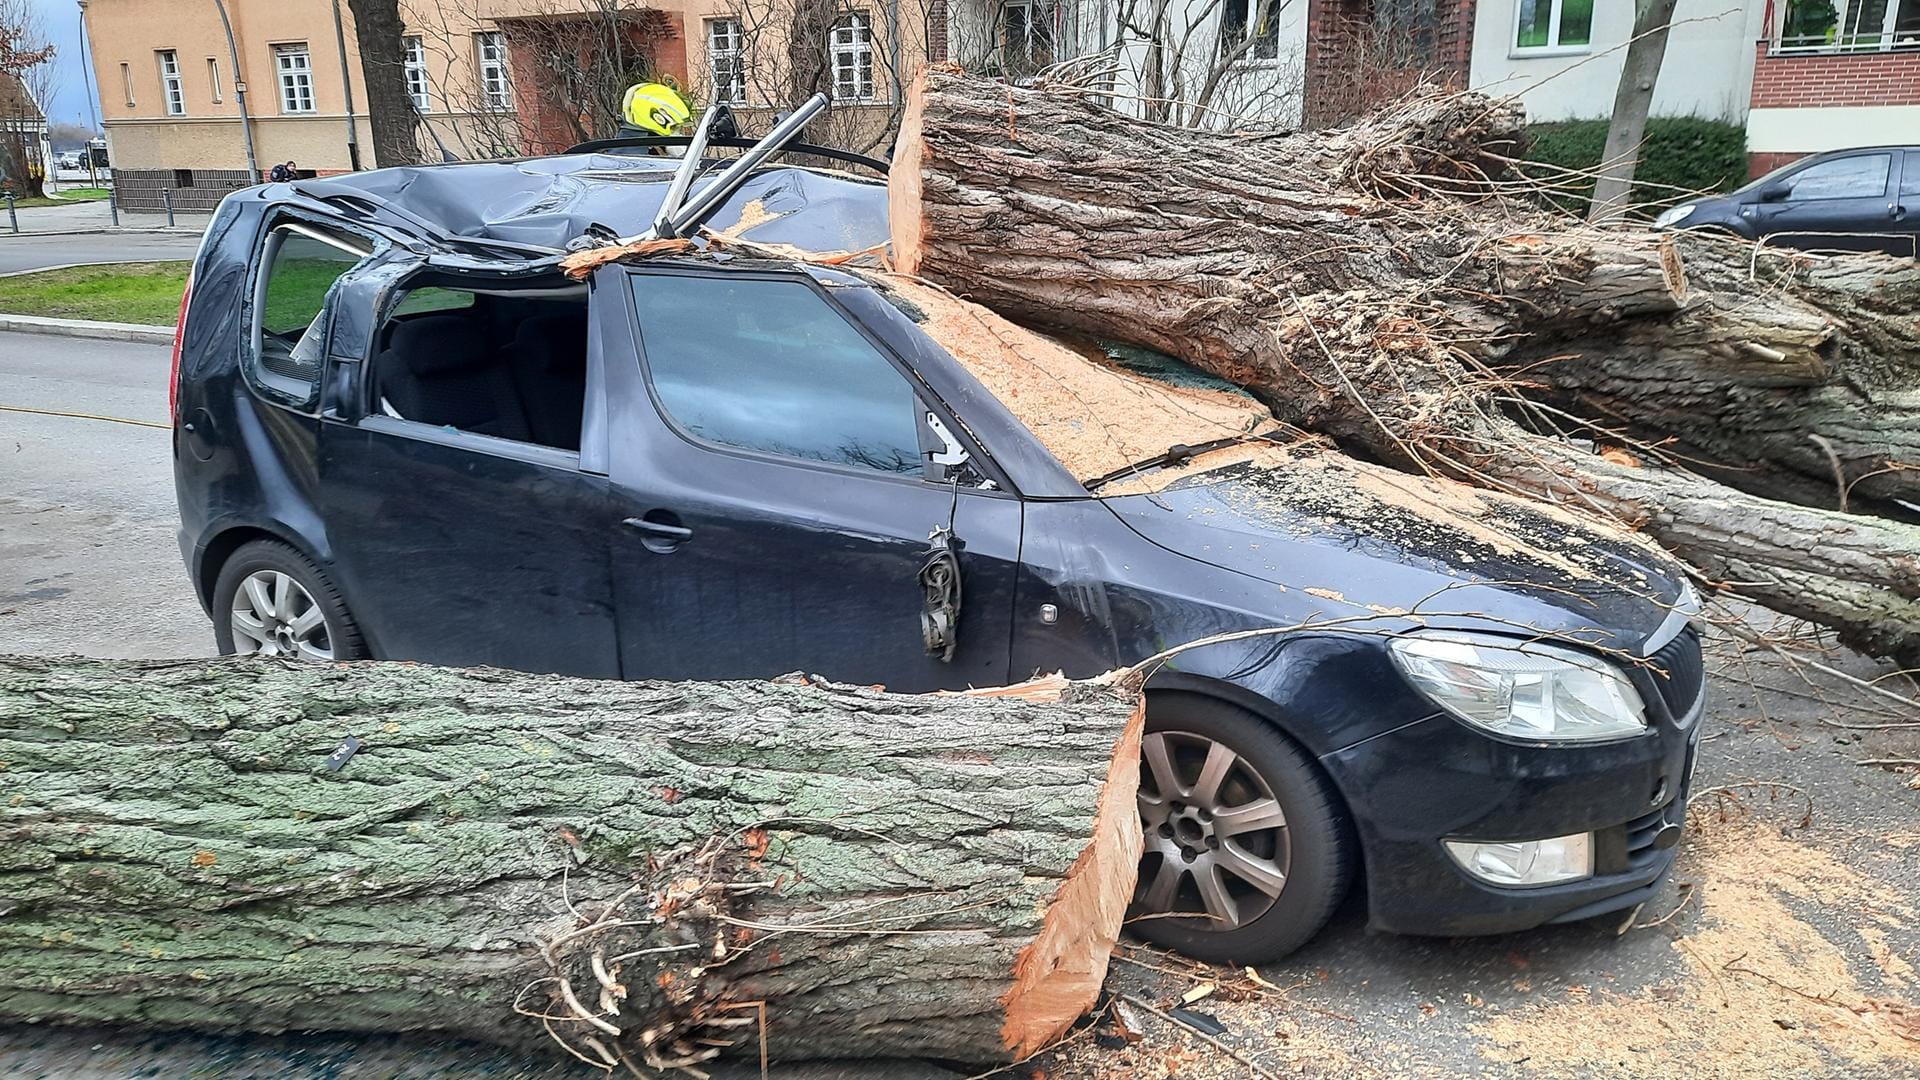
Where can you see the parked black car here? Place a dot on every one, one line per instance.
(400, 433)
(1865, 199)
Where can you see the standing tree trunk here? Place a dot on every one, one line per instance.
(631, 870)
(1631, 103)
(1339, 277)
(380, 35)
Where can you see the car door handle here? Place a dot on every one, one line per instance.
(662, 529)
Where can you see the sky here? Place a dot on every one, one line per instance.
(60, 19)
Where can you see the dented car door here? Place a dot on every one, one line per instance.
(784, 496)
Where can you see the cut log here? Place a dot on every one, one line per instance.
(1348, 281)
(640, 872)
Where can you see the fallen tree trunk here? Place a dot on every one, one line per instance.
(640, 872)
(1349, 283)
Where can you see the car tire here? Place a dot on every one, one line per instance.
(1321, 853)
(284, 590)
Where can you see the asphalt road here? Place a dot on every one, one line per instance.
(1786, 945)
(31, 251)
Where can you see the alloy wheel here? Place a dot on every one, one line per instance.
(274, 615)
(1216, 839)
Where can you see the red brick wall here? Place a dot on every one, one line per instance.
(1796, 80)
(1352, 68)
(1759, 165)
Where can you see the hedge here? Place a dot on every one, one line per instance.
(1680, 154)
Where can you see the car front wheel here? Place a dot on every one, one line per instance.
(270, 600)
(1248, 848)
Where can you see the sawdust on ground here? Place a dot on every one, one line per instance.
(1766, 991)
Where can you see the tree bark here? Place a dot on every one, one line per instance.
(1366, 284)
(1632, 101)
(380, 34)
(627, 869)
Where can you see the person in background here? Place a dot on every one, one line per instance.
(281, 173)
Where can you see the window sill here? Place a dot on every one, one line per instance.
(1547, 51)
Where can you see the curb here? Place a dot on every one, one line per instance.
(109, 230)
(82, 328)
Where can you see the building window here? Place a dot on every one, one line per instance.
(417, 72)
(496, 93)
(724, 57)
(213, 79)
(126, 76)
(1235, 22)
(294, 65)
(1850, 25)
(173, 92)
(1029, 35)
(850, 48)
(1554, 24)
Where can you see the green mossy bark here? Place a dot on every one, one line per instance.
(173, 853)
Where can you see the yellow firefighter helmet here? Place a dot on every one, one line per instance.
(655, 107)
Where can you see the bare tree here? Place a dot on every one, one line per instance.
(857, 52)
(380, 33)
(1632, 101)
(571, 63)
(26, 89)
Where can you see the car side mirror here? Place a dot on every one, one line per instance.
(1776, 192)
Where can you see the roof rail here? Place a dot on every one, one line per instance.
(648, 142)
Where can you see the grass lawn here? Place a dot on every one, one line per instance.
(126, 292)
(71, 195)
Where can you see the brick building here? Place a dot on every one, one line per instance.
(1834, 74)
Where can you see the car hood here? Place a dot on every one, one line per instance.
(1343, 539)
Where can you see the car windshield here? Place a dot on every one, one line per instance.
(1109, 414)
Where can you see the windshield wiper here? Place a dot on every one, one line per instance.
(1177, 454)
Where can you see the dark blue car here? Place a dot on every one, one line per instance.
(401, 432)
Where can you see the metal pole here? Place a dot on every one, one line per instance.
(683, 176)
(722, 187)
(12, 218)
(166, 196)
(346, 85)
(239, 93)
(113, 204)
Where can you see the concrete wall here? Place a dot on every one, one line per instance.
(1708, 70)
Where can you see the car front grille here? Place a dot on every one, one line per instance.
(1679, 672)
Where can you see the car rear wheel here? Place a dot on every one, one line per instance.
(1248, 848)
(270, 600)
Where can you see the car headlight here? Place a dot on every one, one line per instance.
(1526, 690)
(1674, 216)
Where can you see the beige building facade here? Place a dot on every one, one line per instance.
(489, 78)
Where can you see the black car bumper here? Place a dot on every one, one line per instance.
(1438, 779)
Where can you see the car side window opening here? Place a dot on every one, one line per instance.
(1910, 176)
(508, 362)
(770, 366)
(301, 262)
(1860, 177)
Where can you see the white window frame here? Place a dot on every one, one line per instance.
(293, 74)
(850, 48)
(496, 84)
(726, 54)
(173, 88)
(1885, 40)
(414, 48)
(213, 78)
(1256, 55)
(1553, 46)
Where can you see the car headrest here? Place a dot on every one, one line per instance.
(560, 340)
(437, 344)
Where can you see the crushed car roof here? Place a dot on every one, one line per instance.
(549, 201)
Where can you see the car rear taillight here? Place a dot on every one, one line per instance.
(179, 340)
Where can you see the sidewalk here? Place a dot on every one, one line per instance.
(94, 217)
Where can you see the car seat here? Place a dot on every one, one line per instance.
(441, 369)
